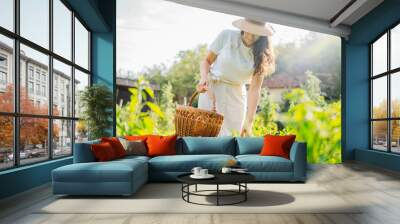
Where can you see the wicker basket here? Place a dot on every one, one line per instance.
(191, 121)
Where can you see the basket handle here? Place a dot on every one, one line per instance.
(196, 93)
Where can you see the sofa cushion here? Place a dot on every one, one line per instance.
(206, 145)
(277, 145)
(112, 171)
(133, 157)
(257, 163)
(185, 163)
(137, 138)
(116, 145)
(249, 145)
(83, 152)
(103, 152)
(137, 147)
(161, 145)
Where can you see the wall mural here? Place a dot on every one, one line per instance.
(166, 51)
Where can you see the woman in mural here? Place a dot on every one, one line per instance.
(234, 59)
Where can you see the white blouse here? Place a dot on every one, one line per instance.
(235, 62)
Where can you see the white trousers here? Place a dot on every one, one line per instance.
(231, 101)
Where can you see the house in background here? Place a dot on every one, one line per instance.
(279, 83)
(124, 84)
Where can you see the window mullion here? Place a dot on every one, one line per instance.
(73, 82)
(50, 81)
(371, 141)
(16, 70)
(389, 104)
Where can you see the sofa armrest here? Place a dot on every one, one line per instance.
(83, 152)
(298, 155)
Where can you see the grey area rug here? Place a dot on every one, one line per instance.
(166, 198)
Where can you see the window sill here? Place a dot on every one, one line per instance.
(30, 166)
(382, 159)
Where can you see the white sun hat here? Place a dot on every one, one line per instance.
(254, 27)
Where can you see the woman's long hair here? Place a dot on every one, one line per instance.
(264, 58)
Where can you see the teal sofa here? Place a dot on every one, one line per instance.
(125, 176)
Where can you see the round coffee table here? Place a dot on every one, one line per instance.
(238, 179)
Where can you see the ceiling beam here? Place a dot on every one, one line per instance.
(270, 15)
(347, 11)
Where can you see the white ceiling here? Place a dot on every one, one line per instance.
(321, 9)
(314, 15)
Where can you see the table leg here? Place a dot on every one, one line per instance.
(195, 188)
(245, 193)
(188, 190)
(182, 189)
(217, 194)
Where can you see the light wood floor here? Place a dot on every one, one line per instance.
(378, 188)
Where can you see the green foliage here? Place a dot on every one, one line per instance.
(320, 127)
(97, 103)
(184, 74)
(317, 123)
(165, 125)
(312, 88)
(139, 115)
(264, 123)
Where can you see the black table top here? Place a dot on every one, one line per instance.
(220, 178)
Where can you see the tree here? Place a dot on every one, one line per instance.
(318, 53)
(312, 88)
(97, 103)
(184, 74)
(33, 131)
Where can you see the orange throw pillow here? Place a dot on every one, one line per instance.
(277, 145)
(103, 152)
(116, 145)
(161, 145)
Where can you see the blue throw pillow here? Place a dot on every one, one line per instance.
(249, 145)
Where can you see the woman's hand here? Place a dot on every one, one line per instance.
(202, 86)
(246, 129)
(204, 70)
(253, 97)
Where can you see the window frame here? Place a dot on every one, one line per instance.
(16, 114)
(388, 74)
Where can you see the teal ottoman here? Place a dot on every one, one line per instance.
(118, 177)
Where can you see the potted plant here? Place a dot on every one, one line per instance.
(96, 102)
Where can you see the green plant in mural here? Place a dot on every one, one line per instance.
(265, 120)
(317, 123)
(312, 88)
(320, 127)
(139, 115)
(165, 124)
(96, 102)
